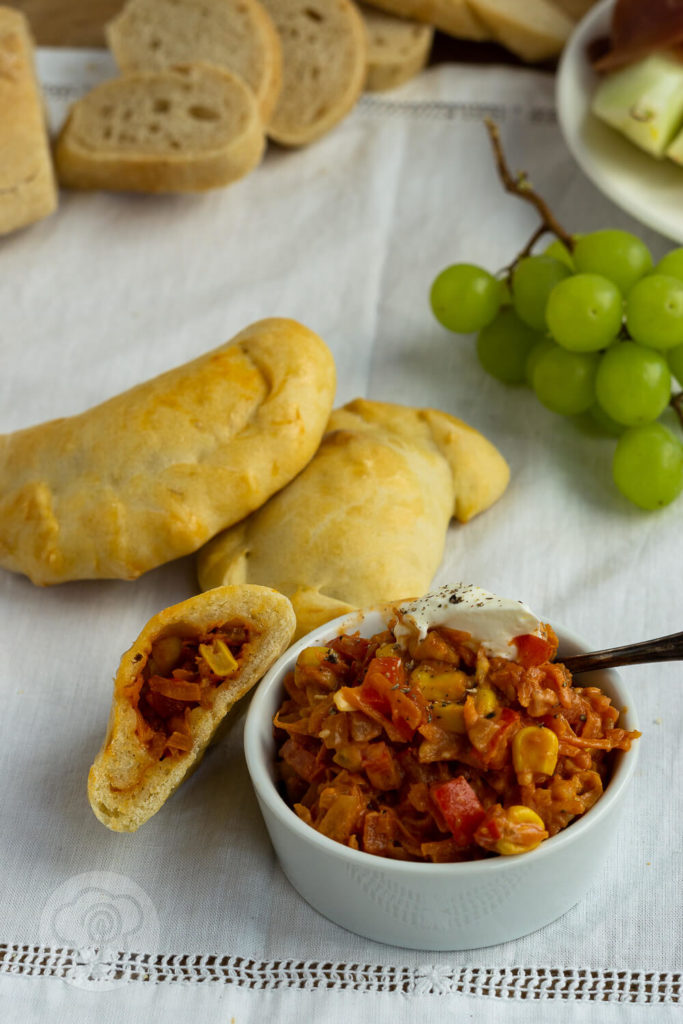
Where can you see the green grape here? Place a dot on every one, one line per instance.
(605, 422)
(565, 381)
(648, 465)
(465, 298)
(671, 264)
(617, 255)
(503, 346)
(557, 250)
(675, 360)
(654, 311)
(584, 312)
(533, 279)
(535, 354)
(633, 383)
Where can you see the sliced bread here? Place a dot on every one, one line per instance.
(574, 8)
(534, 30)
(28, 191)
(323, 66)
(397, 48)
(149, 35)
(454, 17)
(183, 129)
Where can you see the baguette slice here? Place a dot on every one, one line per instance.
(574, 8)
(454, 17)
(28, 190)
(183, 129)
(397, 48)
(148, 35)
(230, 636)
(323, 66)
(534, 30)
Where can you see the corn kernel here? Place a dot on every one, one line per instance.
(341, 703)
(534, 749)
(443, 686)
(349, 757)
(165, 653)
(518, 814)
(312, 656)
(386, 651)
(485, 701)
(218, 657)
(449, 716)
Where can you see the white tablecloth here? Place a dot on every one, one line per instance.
(346, 236)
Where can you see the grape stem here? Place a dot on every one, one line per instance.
(520, 186)
(677, 405)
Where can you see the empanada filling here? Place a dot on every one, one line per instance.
(183, 673)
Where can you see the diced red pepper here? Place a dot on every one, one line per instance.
(533, 650)
(461, 808)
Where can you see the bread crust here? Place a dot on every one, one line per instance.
(227, 152)
(148, 35)
(324, 59)
(154, 472)
(535, 30)
(398, 48)
(28, 190)
(126, 784)
(365, 522)
(454, 17)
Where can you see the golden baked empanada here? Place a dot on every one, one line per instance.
(156, 471)
(366, 520)
(174, 687)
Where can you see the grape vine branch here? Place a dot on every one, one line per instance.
(520, 186)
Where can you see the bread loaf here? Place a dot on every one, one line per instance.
(535, 30)
(148, 35)
(183, 129)
(574, 8)
(454, 17)
(27, 185)
(398, 48)
(323, 66)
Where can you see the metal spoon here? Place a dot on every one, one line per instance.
(664, 648)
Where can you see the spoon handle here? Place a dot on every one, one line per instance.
(664, 648)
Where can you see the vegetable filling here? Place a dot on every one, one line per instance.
(436, 752)
(183, 673)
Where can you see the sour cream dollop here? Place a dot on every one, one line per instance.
(492, 621)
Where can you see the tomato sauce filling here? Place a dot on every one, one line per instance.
(183, 673)
(435, 752)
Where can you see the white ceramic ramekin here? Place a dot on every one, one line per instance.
(433, 906)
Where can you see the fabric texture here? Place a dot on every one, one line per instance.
(192, 913)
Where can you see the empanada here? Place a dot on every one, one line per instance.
(366, 520)
(156, 471)
(174, 687)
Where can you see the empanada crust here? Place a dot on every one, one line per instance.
(125, 785)
(366, 520)
(154, 472)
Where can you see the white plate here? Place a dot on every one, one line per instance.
(648, 189)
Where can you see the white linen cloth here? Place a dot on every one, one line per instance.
(346, 236)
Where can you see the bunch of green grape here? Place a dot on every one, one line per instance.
(597, 330)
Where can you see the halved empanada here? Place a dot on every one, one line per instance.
(173, 689)
(155, 472)
(366, 520)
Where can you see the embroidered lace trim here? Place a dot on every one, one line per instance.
(533, 983)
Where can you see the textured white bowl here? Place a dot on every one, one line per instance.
(650, 190)
(432, 906)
